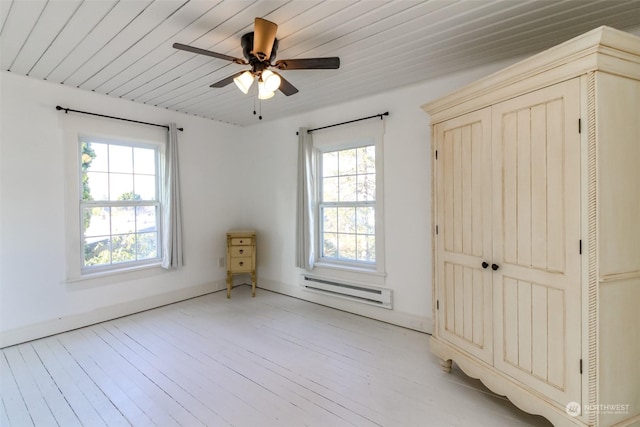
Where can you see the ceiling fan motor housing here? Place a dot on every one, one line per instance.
(247, 47)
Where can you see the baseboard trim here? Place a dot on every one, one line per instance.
(394, 317)
(63, 324)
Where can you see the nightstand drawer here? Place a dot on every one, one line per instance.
(240, 264)
(241, 241)
(237, 251)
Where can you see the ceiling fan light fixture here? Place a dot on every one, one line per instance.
(271, 80)
(244, 81)
(263, 92)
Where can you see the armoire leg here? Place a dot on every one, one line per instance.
(445, 365)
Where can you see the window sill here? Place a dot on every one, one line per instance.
(114, 276)
(350, 272)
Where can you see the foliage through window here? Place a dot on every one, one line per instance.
(119, 203)
(347, 205)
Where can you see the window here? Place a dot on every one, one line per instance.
(347, 204)
(119, 204)
(340, 210)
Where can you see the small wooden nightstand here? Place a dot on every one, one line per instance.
(241, 257)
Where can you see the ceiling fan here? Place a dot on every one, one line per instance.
(259, 49)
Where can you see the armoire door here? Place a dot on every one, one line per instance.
(463, 239)
(536, 240)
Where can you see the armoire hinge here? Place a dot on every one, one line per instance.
(437, 304)
(580, 366)
(436, 154)
(579, 125)
(580, 246)
(436, 229)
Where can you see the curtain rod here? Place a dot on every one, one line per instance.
(66, 111)
(386, 113)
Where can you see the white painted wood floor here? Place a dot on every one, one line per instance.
(260, 362)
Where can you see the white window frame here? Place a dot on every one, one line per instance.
(350, 137)
(156, 202)
(75, 127)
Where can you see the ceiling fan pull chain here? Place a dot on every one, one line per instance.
(260, 106)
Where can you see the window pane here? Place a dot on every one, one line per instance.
(147, 245)
(367, 159)
(330, 164)
(366, 220)
(123, 248)
(347, 192)
(347, 162)
(146, 218)
(95, 156)
(330, 245)
(346, 220)
(120, 159)
(97, 251)
(330, 189)
(95, 186)
(347, 246)
(123, 220)
(96, 221)
(144, 161)
(366, 188)
(145, 186)
(366, 248)
(330, 220)
(121, 187)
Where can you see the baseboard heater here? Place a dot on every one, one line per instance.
(380, 297)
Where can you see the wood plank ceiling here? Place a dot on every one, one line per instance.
(123, 48)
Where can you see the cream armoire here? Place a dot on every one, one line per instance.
(536, 233)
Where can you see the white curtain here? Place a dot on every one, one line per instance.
(305, 228)
(172, 251)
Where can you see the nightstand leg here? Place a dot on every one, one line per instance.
(229, 280)
(253, 283)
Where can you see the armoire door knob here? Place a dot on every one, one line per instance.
(494, 267)
(485, 264)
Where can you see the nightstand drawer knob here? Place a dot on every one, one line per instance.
(241, 263)
(241, 251)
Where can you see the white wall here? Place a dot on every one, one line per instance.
(35, 298)
(270, 177)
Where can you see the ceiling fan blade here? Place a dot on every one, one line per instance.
(226, 81)
(209, 53)
(331, 63)
(264, 35)
(286, 87)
